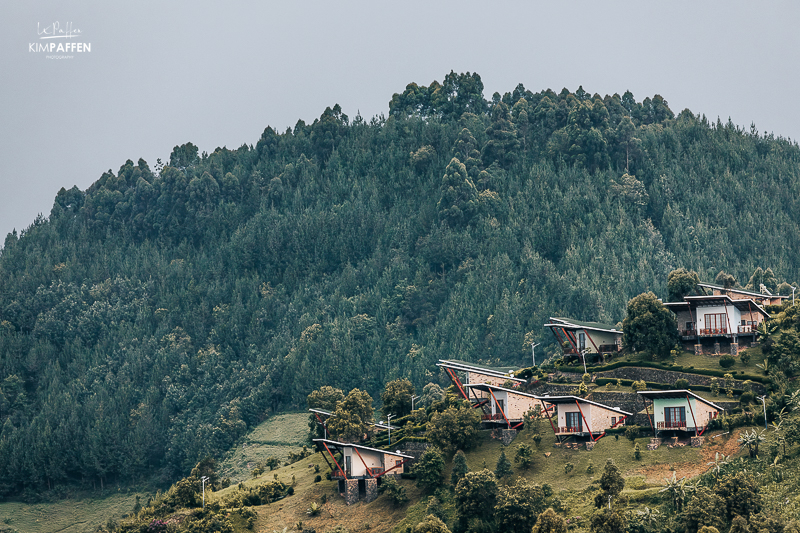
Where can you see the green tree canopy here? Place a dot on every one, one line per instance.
(396, 398)
(680, 283)
(518, 506)
(454, 428)
(476, 496)
(460, 468)
(431, 524)
(428, 468)
(649, 326)
(353, 416)
(550, 522)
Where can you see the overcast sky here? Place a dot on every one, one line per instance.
(217, 73)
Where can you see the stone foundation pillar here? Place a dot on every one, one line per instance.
(716, 348)
(734, 348)
(654, 444)
(350, 491)
(507, 435)
(698, 349)
(696, 442)
(674, 441)
(371, 490)
(590, 446)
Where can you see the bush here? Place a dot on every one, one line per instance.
(568, 467)
(637, 452)
(746, 398)
(638, 385)
(744, 357)
(726, 361)
(632, 433)
(682, 383)
(396, 493)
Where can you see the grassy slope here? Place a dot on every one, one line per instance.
(276, 436)
(574, 488)
(65, 516)
(284, 432)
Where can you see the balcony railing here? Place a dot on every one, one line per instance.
(747, 329)
(605, 348)
(714, 331)
(672, 424)
(570, 429)
(497, 416)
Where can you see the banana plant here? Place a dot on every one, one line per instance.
(679, 490)
(719, 462)
(751, 439)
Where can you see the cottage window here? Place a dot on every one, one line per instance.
(717, 322)
(573, 421)
(613, 420)
(581, 341)
(675, 417)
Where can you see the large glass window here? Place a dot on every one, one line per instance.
(675, 417)
(717, 322)
(573, 421)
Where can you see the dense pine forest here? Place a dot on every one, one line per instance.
(150, 320)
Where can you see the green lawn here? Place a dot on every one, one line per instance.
(710, 362)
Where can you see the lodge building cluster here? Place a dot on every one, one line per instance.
(725, 318)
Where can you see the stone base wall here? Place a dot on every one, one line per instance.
(696, 442)
(508, 435)
(371, 486)
(590, 446)
(350, 491)
(657, 375)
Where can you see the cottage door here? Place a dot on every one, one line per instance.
(348, 465)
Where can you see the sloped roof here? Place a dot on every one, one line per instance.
(569, 323)
(740, 291)
(499, 372)
(573, 399)
(347, 444)
(677, 393)
(486, 386)
(744, 304)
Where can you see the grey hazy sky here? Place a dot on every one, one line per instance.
(217, 73)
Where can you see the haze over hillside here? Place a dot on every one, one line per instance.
(152, 319)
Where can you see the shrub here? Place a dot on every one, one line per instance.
(682, 383)
(726, 361)
(746, 398)
(715, 386)
(317, 478)
(290, 491)
(568, 467)
(745, 357)
(590, 468)
(632, 433)
(396, 492)
(638, 385)
(637, 452)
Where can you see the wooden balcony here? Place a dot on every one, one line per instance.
(569, 430)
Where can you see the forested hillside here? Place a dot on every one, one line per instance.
(151, 319)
